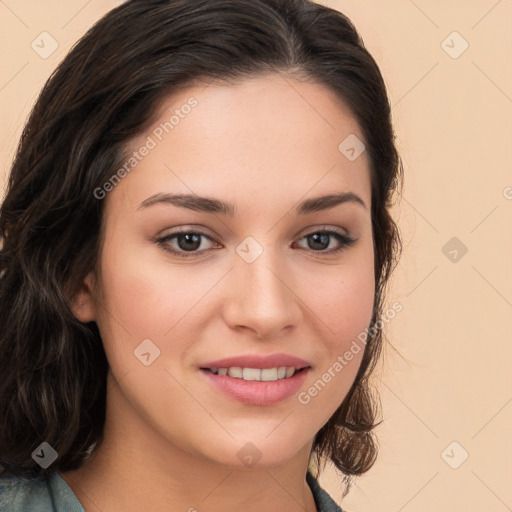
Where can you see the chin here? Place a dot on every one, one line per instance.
(259, 451)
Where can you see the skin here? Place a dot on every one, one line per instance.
(171, 438)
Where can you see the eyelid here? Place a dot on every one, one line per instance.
(315, 228)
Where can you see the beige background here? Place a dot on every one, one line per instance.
(454, 123)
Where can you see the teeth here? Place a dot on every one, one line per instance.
(257, 374)
(289, 372)
(236, 372)
(251, 374)
(269, 374)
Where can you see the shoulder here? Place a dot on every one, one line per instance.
(323, 501)
(24, 493)
(37, 494)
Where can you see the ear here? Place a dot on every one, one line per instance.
(83, 304)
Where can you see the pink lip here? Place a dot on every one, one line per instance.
(257, 392)
(258, 361)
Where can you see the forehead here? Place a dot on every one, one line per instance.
(272, 134)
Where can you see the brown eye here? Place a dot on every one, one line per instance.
(188, 242)
(185, 242)
(319, 241)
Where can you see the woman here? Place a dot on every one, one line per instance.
(196, 242)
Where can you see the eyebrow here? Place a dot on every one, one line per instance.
(211, 205)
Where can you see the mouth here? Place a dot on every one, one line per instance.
(257, 379)
(257, 374)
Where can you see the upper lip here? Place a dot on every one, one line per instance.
(258, 361)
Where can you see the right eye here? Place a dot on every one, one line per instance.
(187, 242)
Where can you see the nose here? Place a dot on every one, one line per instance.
(261, 298)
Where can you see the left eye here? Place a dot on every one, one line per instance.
(320, 238)
(188, 243)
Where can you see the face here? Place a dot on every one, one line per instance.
(257, 278)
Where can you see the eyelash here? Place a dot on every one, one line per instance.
(345, 241)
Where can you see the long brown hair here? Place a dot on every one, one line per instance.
(53, 368)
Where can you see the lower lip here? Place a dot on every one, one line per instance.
(258, 392)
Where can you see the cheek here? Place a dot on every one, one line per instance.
(345, 308)
(146, 298)
(343, 299)
(130, 307)
(351, 303)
